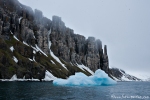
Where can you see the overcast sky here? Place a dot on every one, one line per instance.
(123, 25)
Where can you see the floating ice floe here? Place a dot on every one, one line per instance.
(79, 79)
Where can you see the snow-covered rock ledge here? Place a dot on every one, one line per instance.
(48, 77)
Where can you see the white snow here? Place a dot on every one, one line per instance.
(25, 43)
(115, 78)
(34, 52)
(15, 59)
(14, 78)
(57, 59)
(52, 54)
(49, 76)
(86, 68)
(30, 59)
(11, 32)
(71, 63)
(140, 75)
(34, 48)
(34, 36)
(124, 77)
(34, 58)
(38, 49)
(12, 48)
(80, 79)
(143, 77)
(20, 19)
(16, 38)
(52, 62)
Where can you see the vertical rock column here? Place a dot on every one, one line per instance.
(105, 60)
(92, 54)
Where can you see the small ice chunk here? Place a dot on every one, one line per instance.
(12, 48)
(100, 78)
(15, 59)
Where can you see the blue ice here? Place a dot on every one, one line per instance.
(100, 78)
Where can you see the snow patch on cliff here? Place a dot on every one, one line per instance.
(16, 38)
(85, 68)
(25, 43)
(57, 59)
(52, 62)
(20, 20)
(49, 76)
(12, 48)
(15, 59)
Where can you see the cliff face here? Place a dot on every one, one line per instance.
(38, 38)
(75, 48)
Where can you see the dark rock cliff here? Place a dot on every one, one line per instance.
(75, 48)
(34, 30)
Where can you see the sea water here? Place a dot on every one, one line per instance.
(48, 91)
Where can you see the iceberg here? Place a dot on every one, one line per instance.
(100, 78)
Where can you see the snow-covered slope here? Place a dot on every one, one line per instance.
(143, 77)
(120, 75)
